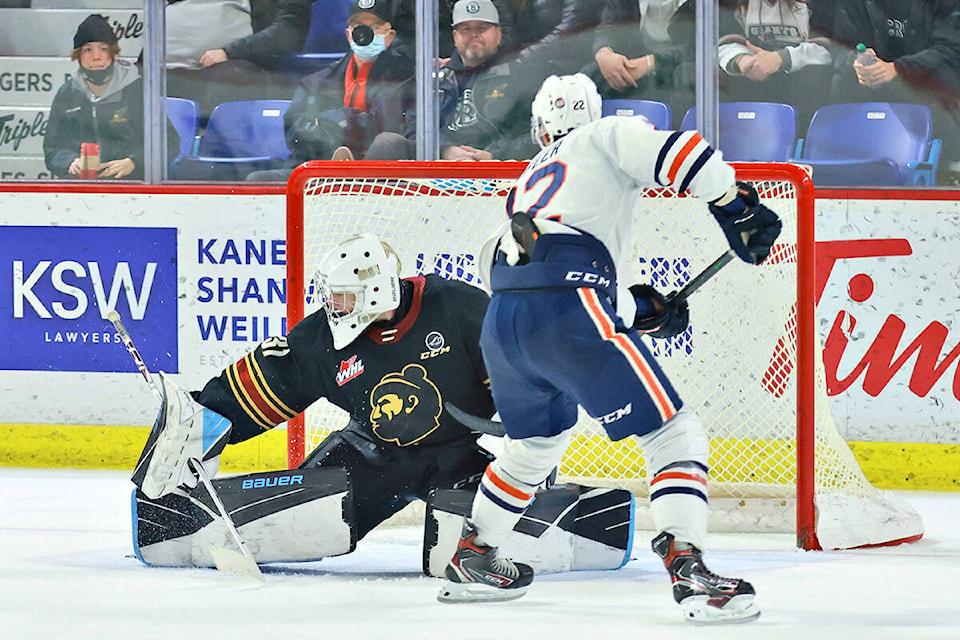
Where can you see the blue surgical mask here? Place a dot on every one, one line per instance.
(369, 52)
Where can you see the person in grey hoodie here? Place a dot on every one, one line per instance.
(101, 102)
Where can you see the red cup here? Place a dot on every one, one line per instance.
(89, 160)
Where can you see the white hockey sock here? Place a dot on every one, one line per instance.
(498, 504)
(678, 502)
(677, 455)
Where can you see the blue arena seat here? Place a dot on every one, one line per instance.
(871, 143)
(326, 41)
(658, 113)
(240, 137)
(184, 115)
(753, 131)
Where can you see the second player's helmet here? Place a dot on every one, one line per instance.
(563, 103)
(356, 281)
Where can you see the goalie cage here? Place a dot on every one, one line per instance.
(749, 363)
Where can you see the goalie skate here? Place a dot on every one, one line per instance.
(477, 573)
(184, 429)
(704, 597)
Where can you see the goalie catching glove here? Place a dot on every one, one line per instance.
(750, 227)
(658, 316)
(184, 429)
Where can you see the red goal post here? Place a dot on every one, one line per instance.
(749, 364)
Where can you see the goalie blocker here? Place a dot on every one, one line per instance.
(308, 514)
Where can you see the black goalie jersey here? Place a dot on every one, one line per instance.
(393, 379)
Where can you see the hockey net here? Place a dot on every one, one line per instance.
(749, 362)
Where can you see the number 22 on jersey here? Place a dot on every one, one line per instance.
(555, 173)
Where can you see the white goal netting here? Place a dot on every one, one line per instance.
(737, 364)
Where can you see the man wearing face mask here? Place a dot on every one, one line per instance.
(361, 106)
(102, 102)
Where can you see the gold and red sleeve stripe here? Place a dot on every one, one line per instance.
(254, 395)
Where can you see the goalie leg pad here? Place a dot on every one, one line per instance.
(567, 528)
(510, 482)
(184, 429)
(677, 455)
(283, 516)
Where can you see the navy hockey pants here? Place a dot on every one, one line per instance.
(546, 350)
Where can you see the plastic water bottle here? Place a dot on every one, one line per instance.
(864, 57)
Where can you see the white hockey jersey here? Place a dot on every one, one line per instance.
(591, 179)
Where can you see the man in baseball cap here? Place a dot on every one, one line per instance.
(475, 10)
(476, 31)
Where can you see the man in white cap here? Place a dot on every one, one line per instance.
(485, 97)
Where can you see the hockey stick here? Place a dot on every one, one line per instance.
(225, 560)
(475, 423)
(242, 563)
(494, 428)
(121, 330)
(701, 278)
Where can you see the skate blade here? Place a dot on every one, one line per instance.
(738, 610)
(461, 592)
(234, 562)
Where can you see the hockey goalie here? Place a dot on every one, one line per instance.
(364, 352)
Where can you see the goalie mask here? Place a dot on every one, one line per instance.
(356, 282)
(563, 103)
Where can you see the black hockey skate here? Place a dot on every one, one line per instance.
(476, 573)
(704, 597)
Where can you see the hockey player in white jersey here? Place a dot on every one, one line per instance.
(560, 332)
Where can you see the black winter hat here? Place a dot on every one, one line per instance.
(96, 28)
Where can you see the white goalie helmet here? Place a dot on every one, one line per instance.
(563, 103)
(356, 282)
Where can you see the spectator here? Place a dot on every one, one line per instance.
(918, 49)
(484, 96)
(768, 55)
(558, 33)
(102, 102)
(222, 50)
(405, 22)
(362, 105)
(646, 50)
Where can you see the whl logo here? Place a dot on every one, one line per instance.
(349, 369)
(58, 284)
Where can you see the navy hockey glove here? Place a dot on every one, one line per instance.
(750, 227)
(668, 319)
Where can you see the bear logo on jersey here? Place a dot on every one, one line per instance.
(405, 406)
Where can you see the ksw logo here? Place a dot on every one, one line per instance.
(59, 284)
(65, 277)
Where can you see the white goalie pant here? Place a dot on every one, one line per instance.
(677, 455)
(510, 482)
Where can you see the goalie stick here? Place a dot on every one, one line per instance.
(494, 428)
(226, 560)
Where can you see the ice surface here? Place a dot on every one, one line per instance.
(68, 572)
